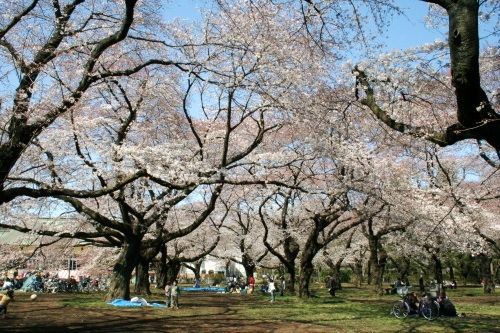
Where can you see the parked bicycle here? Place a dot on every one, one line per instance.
(409, 304)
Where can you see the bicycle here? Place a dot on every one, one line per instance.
(428, 307)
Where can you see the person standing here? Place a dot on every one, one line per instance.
(251, 284)
(421, 284)
(168, 294)
(332, 284)
(282, 285)
(175, 295)
(271, 288)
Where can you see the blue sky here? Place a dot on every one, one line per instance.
(404, 31)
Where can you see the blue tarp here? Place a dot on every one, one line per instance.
(128, 304)
(209, 289)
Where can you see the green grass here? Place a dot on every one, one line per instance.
(359, 310)
(353, 310)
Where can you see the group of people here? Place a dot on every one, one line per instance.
(446, 306)
(172, 292)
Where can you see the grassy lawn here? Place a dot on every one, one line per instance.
(358, 310)
(353, 310)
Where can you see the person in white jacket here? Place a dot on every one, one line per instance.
(271, 288)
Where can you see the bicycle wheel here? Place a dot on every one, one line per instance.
(427, 312)
(400, 309)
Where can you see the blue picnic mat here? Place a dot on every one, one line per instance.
(209, 289)
(128, 304)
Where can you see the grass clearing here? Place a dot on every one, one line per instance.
(353, 310)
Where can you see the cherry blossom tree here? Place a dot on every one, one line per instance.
(464, 110)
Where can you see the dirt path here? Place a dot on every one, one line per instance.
(198, 313)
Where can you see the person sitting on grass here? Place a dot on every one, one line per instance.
(5, 299)
(446, 307)
(413, 302)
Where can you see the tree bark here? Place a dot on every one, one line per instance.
(369, 276)
(486, 274)
(306, 272)
(161, 269)
(173, 268)
(357, 270)
(438, 269)
(452, 273)
(122, 270)
(248, 264)
(142, 285)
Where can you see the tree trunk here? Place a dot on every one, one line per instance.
(357, 270)
(474, 109)
(173, 269)
(487, 280)
(452, 273)
(378, 265)
(438, 269)
(142, 286)
(122, 270)
(161, 270)
(197, 269)
(378, 260)
(369, 272)
(306, 272)
(335, 272)
(248, 264)
(403, 266)
(290, 287)
(291, 249)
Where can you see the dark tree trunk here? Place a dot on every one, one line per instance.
(290, 287)
(466, 267)
(403, 266)
(310, 250)
(369, 272)
(122, 270)
(474, 108)
(487, 276)
(306, 272)
(438, 269)
(173, 269)
(142, 286)
(357, 269)
(197, 269)
(452, 273)
(378, 264)
(248, 264)
(378, 260)
(161, 269)
(335, 271)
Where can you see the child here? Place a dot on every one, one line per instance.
(5, 300)
(175, 295)
(271, 288)
(168, 294)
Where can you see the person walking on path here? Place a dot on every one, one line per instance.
(174, 292)
(168, 294)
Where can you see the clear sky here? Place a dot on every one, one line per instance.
(405, 31)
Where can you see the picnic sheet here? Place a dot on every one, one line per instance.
(129, 304)
(209, 289)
